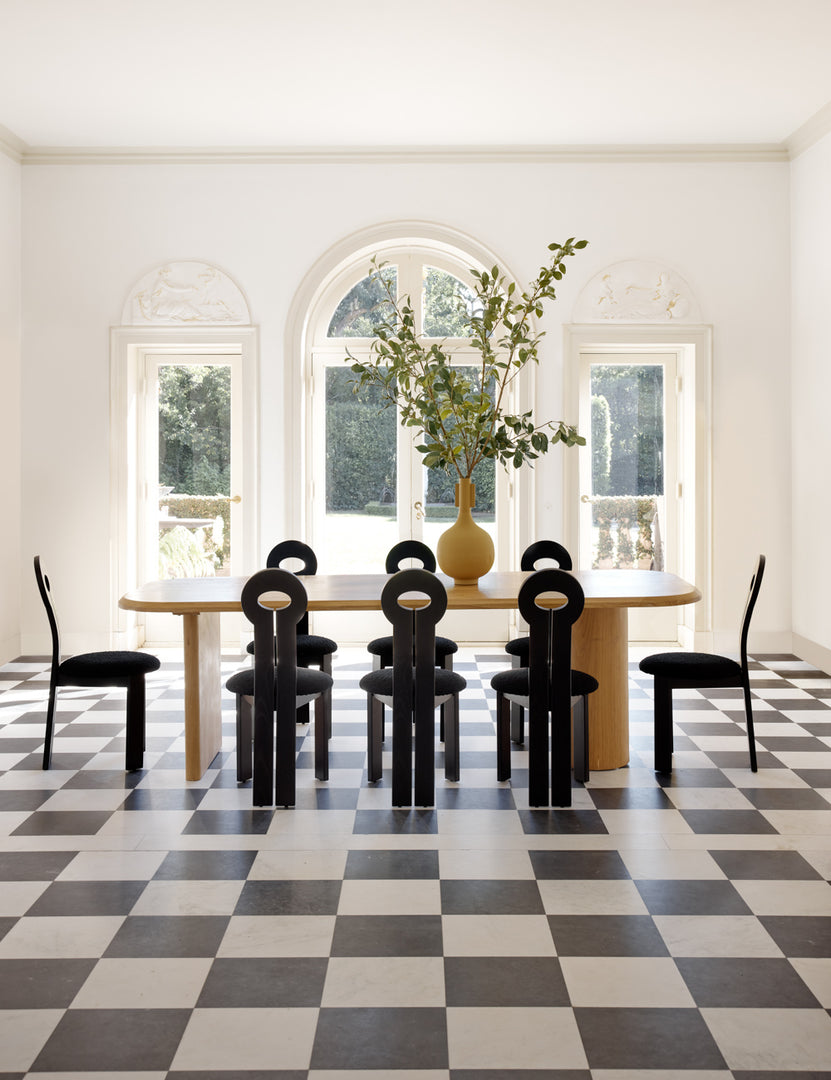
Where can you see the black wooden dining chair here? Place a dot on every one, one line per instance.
(380, 648)
(517, 648)
(313, 650)
(693, 670)
(555, 697)
(277, 686)
(413, 686)
(110, 668)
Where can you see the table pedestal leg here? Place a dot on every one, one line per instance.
(203, 690)
(600, 647)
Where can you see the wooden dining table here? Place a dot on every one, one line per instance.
(599, 643)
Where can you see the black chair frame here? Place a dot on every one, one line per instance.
(669, 674)
(276, 689)
(414, 698)
(116, 668)
(552, 708)
(518, 647)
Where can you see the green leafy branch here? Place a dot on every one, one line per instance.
(461, 416)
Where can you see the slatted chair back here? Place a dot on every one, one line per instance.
(549, 663)
(414, 680)
(410, 549)
(274, 694)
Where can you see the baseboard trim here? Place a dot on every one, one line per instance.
(815, 654)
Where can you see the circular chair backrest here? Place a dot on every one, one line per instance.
(271, 581)
(545, 549)
(418, 581)
(410, 549)
(551, 581)
(293, 549)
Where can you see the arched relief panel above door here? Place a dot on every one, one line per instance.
(185, 294)
(636, 291)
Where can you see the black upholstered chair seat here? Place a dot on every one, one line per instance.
(379, 683)
(105, 668)
(691, 665)
(310, 683)
(513, 683)
(382, 647)
(686, 670)
(108, 664)
(311, 648)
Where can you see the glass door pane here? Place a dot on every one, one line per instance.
(194, 470)
(360, 512)
(628, 486)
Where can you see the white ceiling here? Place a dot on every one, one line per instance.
(433, 73)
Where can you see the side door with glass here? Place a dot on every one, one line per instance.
(191, 517)
(628, 473)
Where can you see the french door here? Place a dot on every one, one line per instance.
(190, 515)
(368, 487)
(629, 492)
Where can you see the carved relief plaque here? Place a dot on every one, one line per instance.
(185, 294)
(636, 291)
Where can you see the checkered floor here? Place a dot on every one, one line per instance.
(662, 927)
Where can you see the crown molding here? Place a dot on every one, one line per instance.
(814, 129)
(11, 145)
(404, 155)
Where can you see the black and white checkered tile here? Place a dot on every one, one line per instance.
(660, 928)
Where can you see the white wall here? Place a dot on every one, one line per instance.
(90, 231)
(811, 374)
(10, 418)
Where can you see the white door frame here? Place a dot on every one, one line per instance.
(692, 344)
(127, 348)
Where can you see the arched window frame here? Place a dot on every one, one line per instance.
(325, 284)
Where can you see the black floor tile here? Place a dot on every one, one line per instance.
(490, 898)
(402, 865)
(691, 898)
(264, 983)
(765, 865)
(206, 865)
(744, 983)
(365, 1039)
(289, 898)
(41, 984)
(606, 935)
(113, 1040)
(653, 1039)
(387, 935)
(88, 898)
(582, 865)
(168, 935)
(799, 935)
(512, 981)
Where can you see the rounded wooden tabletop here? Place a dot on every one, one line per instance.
(362, 592)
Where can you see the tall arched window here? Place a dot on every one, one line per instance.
(368, 485)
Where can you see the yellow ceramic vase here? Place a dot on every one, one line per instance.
(465, 550)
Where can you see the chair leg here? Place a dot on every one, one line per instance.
(451, 741)
(751, 735)
(503, 738)
(517, 712)
(326, 667)
(134, 758)
(663, 726)
(323, 726)
(561, 761)
(374, 737)
(50, 726)
(245, 737)
(580, 727)
(447, 664)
